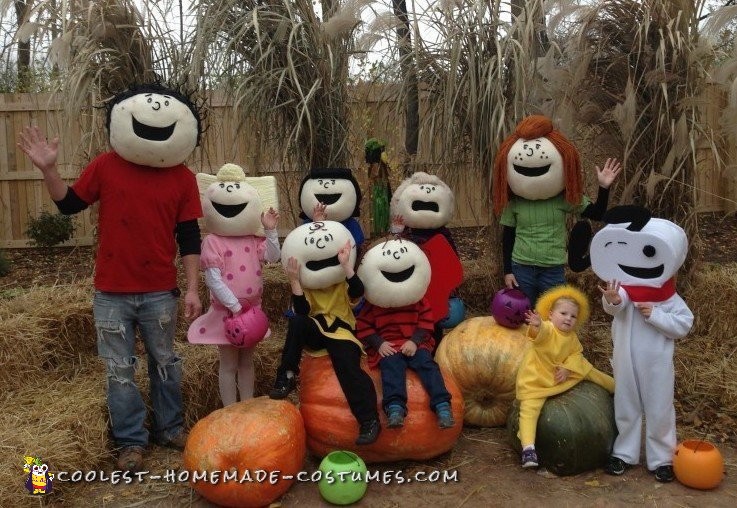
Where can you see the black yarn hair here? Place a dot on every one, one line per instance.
(179, 92)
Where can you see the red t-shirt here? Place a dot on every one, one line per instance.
(140, 207)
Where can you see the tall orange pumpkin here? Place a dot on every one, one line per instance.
(245, 438)
(483, 358)
(330, 425)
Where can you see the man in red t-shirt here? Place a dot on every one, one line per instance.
(148, 205)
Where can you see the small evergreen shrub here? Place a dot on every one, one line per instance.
(49, 229)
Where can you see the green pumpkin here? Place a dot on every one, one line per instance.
(575, 430)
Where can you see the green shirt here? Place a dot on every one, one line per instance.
(540, 236)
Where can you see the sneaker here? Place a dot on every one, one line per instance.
(615, 466)
(445, 417)
(178, 442)
(529, 458)
(131, 459)
(368, 432)
(394, 416)
(664, 474)
(283, 386)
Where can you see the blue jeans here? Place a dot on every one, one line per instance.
(394, 378)
(117, 316)
(535, 280)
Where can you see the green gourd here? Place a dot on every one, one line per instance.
(575, 430)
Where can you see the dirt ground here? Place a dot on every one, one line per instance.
(483, 468)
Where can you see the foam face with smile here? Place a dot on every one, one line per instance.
(647, 257)
(153, 129)
(315, 246)
(338, 194)
(424, 205)
(394, 273)
(232, 208)
(535, 169)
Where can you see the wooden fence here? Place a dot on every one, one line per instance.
(23, 195)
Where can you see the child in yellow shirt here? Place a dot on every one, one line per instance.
(555, 362)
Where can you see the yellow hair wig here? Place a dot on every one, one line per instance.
(547, 300)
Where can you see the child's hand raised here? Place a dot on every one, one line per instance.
(319, 212)
(397, 224)
(292, 269)
(344, 254)
(269, 218)
(532, 318)
(611, 292)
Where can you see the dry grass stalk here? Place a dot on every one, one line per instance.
(634, 71)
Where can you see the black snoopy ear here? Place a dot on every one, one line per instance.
(578, 246)
(637, 216)
(580, 237)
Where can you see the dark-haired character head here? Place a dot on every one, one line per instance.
(153, 125)
(334, 187)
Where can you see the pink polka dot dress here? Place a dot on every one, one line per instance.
(239, 260)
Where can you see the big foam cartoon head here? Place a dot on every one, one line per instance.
(153, 125)
(394, 273)
(424, 201)
(315, 246)
(637, 250)
(231, 206)
(536, 162)
(334, 187)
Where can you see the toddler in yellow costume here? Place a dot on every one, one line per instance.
(554, 363)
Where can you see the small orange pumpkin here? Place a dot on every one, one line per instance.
(483, 358)
(698, 464)
(249, 437)
(330, 425)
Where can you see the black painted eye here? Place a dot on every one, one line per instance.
(648, 250)
(237, 186)
(222, 185)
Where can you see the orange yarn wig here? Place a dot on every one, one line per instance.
(537, 126)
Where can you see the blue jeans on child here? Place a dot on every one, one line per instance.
(155, 315)
(535, 280)
(394, 378)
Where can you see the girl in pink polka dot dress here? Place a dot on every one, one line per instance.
(231, 258)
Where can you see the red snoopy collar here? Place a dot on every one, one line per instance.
(650, 294)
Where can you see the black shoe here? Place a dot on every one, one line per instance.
(368, 432)
(615, 466)
(283, 386)
(664, 474)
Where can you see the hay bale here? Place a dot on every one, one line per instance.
(46, 331)
(63, 422)
(708, 293)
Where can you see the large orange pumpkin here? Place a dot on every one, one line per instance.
(483, 358)
(330, 425)
(255, 437)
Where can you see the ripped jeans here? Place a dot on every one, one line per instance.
(116, 318)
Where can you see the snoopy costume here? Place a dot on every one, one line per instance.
(643, 254)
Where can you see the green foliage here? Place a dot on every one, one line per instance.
(4, 265)
(49, 229)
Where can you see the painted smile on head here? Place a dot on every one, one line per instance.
(398, 276)
(152, 133)
(328, 199)
(229, 211)
(533, 171)
(322, 263)
(425, 206)
(643, 273)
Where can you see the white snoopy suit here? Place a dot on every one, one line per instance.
(644, 255)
